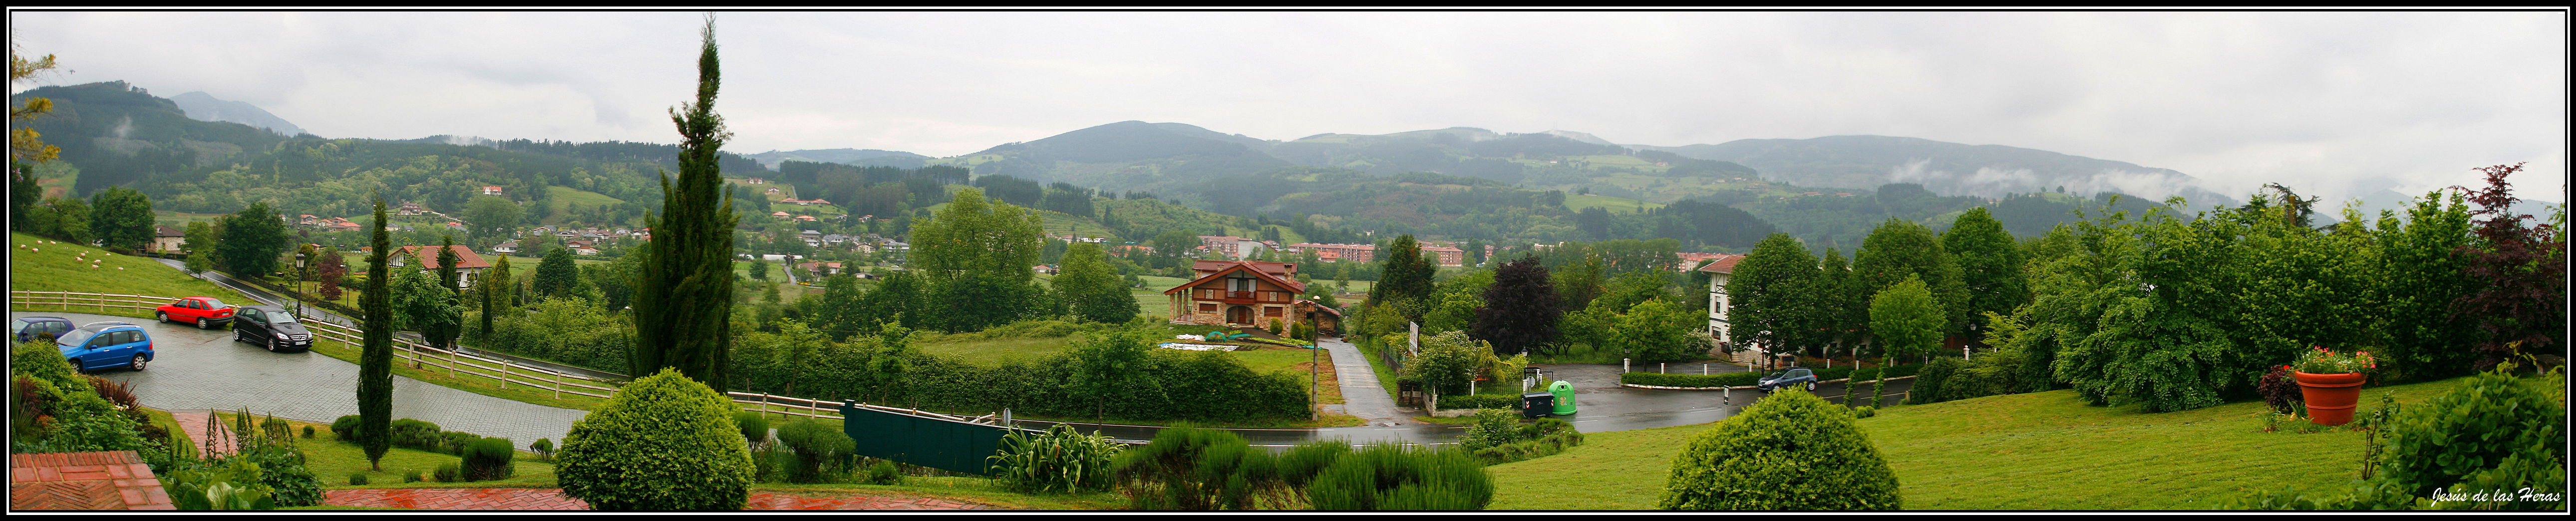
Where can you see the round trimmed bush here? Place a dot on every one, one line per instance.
(345, 428)
(544, 447)
(815, 443)
(2492, 425)
(488, 459)
(1392, 477)
(665, 442)
(357, 478)
(1790, 451)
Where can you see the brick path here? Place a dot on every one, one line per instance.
(116, 480)
(194, 424)
(554, 499)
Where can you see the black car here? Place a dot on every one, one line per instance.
(271, 327)
(1785, 379)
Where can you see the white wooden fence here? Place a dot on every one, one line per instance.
(454, 364)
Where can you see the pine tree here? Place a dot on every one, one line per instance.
(495, 286)
(684, 295)
(1520, 310)
(376, 354)
(1404, 279)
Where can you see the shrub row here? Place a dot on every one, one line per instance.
(1480, 401)
(1198, 469)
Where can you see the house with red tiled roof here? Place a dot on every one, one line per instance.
(469, 266)
(111, 480)
(1241, 293)
(1719, 270)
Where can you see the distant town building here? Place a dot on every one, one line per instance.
(1339, 252)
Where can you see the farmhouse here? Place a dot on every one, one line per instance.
(166, 239)
(1718, 273)
(469, 266)
(1241, 293)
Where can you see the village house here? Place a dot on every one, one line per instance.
(585, 251)
(772, 191)
(754, 181)
(1044, 269)
(1692, 260)
(469, 266)
(1325, 318)
(1240, 293)
(491, 190)
(166, 239)
(778, 215)
(506, 247)
(1718, 274)
(820, 267)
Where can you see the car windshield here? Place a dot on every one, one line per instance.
(1775, 375)
(76, 337)
(278, 317)
(20, 326)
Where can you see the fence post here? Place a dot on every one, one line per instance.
(1659, 368)
(451, 363)
(764, 406)
(558, 384)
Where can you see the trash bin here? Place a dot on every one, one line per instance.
(1537, 404)
(1564, 396)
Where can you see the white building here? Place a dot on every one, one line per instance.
(1719, 271)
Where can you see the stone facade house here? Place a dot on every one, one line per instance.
(1241, 293)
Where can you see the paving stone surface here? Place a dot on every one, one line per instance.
(1362, 395)
(554, 499)
(113, 480)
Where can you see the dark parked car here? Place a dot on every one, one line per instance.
(26, 328)
(271, 327)
(1784, 379)
(106, 344)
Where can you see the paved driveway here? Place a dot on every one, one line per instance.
(205, 369)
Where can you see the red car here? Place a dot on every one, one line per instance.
(205, 312)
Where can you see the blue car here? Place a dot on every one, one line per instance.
(26, 328)
(106, 344)
(1789, 378)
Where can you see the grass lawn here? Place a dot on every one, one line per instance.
(465, 382)
(1578, 202)
(2016, 452)
(968, 489)
(332, 461)
(53, 266)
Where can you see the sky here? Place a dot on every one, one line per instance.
(2328, 103)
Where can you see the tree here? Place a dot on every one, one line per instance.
(1404, 279)
(1659, 330)
(490, 218)
(422, 306)
(444, 334)
(1110, 365)
(1989, 264)
(2520, 307)
(759, 268)
(330, 267)
(976, 256)
(1447, 362)
(121, 218)
(1520, 312)
(557, 277)
(376, 351)
(1897, 249)
(1906, 319)
(252, 241)
(1841, 309)
(495, 286)
(199, 237)
(26, 147)
(1578, 283)
(66, 219)
(1091, 289)
(1767, 301)
(684, 293)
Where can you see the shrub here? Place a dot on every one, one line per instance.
(410, 476)
(454, 442)
(664, 442)
(1493, 427)
(282, 469)
(1299, 465)
(449, 473)
(407, 432)
(220, 484)
(755, 426)
(1392, 477)
(1480, 401)
(543, 447)
(2280, 390)
(1188, 468)
(345, 429)
(1058, 460)
(276, 428)
(308, 432)
(2494, 432)
(1864, 411)
(884, 473)
(62, 411)
(357, 478)
(815, 442)
(488, 459)
(1790, 451)
(1532, 447)
(1692, 380)
(1935, 377)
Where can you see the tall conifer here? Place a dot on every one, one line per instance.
(376, 352)
(684, 294)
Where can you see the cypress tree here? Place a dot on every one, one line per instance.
(684, 294)
(445, 336)
(1404, 279)
(376, 353)
(557, 276)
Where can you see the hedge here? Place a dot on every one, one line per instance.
(1480, 401)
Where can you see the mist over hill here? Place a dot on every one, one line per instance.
(203, 107)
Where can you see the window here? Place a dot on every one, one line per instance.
(1207, 307)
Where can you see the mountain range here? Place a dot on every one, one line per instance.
(203, 107)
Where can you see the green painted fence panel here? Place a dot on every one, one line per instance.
(938, 443)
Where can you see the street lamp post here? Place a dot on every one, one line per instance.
(302, 274)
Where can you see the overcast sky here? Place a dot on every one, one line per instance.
(2313, 100)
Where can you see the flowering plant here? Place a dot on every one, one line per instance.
(2321, 361)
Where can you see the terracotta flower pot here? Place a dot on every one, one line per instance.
(2330, 397)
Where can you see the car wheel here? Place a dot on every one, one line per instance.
(1811, 386)
(138, 362)
(203, 324)
(271, 344)
(164, 316)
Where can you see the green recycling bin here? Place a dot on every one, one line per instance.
(1564, 396)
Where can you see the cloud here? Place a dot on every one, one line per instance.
(2234, 99)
